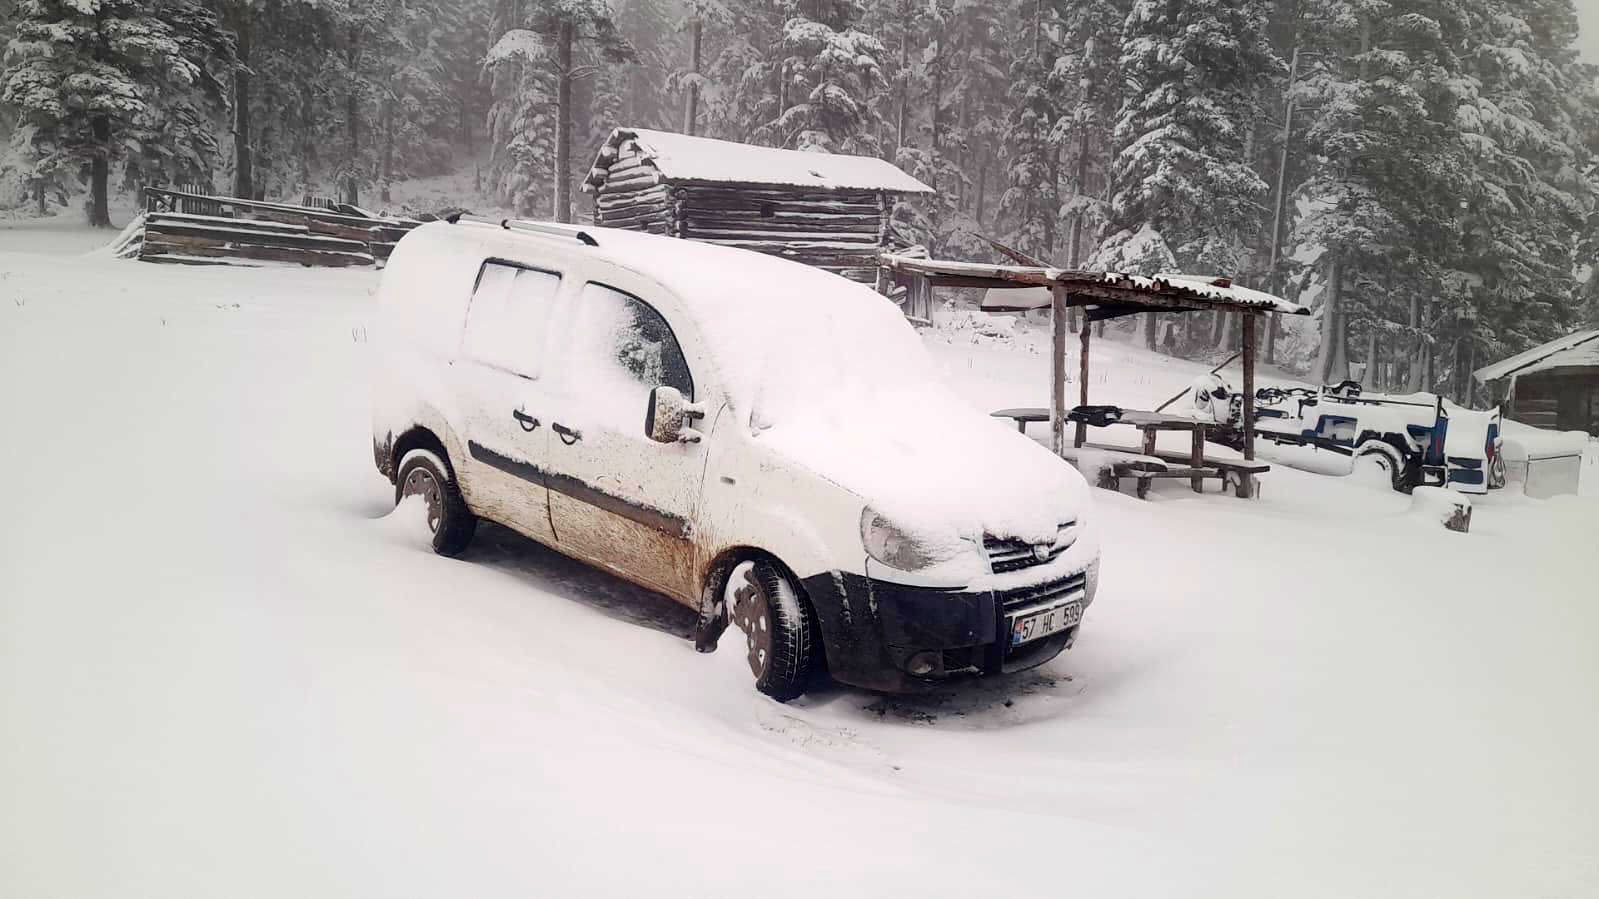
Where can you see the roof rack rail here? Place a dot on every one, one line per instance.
(554, 230)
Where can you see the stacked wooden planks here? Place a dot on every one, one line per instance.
(840, 231)
(194, 229)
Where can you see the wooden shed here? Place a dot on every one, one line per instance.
(822, 209)
(1554, 386)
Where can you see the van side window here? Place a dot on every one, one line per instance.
(507, 320)
(622, 349)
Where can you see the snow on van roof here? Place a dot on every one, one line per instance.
(686, 159)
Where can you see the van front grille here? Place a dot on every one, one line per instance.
(1008, 554)
(1042, 594)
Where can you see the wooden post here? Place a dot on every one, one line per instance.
(1082, 427)
(1197, 458)
(1057, 383)
(1246, 483)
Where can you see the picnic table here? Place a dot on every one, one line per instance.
(1194, 465)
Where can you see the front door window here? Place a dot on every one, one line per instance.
(623, 350)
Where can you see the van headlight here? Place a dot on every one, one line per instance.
(890, 545)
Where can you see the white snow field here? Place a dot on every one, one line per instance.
(226, 669)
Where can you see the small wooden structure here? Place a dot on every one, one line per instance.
(198, 229)
(1554, 386)
(822, 209)
(1105, 296)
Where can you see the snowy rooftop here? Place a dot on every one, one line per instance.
(1171, 291)
(1581, 348)
(685, 159)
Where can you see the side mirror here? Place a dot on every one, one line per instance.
(667, 418)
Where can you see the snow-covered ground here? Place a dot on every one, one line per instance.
(227, 669)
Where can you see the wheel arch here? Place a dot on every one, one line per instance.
(417, 437)
(716, 572)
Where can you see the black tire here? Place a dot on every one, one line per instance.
(423, 473)
(1390, 461)
(779, 629)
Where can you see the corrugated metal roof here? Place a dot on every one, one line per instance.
(701, 160)
(1204, 291)
(1581, 348)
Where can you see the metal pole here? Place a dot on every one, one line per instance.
(1246, 485)
(1082, 427)
(1057, 383)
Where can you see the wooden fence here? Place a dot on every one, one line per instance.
(197, 229)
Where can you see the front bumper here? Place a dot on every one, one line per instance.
(876, 632)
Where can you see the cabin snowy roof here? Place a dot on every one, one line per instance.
(684, 159)
(1579, 349)
(1119, 293)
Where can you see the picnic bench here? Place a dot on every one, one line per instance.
(1150, 464)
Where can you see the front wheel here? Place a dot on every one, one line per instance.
(423, 474)
(779, 631)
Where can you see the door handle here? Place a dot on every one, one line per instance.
(528, 422)
(568, 435)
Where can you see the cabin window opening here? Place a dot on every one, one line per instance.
(768, 211)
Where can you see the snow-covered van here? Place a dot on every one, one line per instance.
(762, 441)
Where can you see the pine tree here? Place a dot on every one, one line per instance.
(646, 89)
(1527, 200)
(1387, 171)
(548, 36)
(1196, 69)
(1087, 75)
(829, 74)
(1029, 208)
(90, 76)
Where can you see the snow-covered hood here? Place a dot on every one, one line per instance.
(939, 470)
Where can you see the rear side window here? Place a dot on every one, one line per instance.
(508, 320)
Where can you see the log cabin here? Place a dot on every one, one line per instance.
(826, 210)
(1554, 386)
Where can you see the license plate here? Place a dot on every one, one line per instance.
(1038, 625)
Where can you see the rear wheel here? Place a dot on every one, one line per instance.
(1377, 462)
(423, 474)
(779, 633)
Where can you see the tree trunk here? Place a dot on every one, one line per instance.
(41, 195)
(905, 81)
(1416, 377)
(1332, 360)
(243, 158)
(352, 115)
(960, 153)
(563, 122)
(1151, 325)
(691, 102)
(937, 120)
(982, 193)
(388, 148)
(1370, 377)
(100, 173)
(1079, 191)
(1050, 204)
